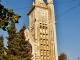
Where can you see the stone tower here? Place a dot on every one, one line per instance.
(41, 33)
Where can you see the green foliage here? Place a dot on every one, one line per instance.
(24, 50)
(1, 47)
(17, 46)
(62, 56)
(3, 55)
(7, 16)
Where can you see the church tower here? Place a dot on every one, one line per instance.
(41, 33)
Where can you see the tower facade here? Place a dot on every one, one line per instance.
(42, 31)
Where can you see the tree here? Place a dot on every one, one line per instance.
(7, 16)
(24, 49)
(3, 55)
(17, 46)
(1, 47)
(11, 41)
(62, 56)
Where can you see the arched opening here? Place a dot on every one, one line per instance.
(30, 47)
(29, 38)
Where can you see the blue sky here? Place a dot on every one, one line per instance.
(67, 13)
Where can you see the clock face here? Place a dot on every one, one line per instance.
(43, 13)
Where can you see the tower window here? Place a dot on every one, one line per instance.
(40, 23)
(41, 30)
(40, 26)
(41, 52)
(46, 27)
(46, 34)
(47, 57)
(41, 42)
(41, 57)
(40, 38)
(44, 58)
(43, 27)
(44, 52)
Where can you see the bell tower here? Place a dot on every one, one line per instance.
(42, 31)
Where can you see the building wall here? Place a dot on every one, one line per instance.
(42, 31)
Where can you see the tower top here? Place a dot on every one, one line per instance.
(39, 3)
(49, 1)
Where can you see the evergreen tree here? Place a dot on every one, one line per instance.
(11, 52)
(7, 16)
(24, 49)
(1, 47)
(17, 46)
(3, 55)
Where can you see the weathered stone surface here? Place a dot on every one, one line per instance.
(42, 31)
